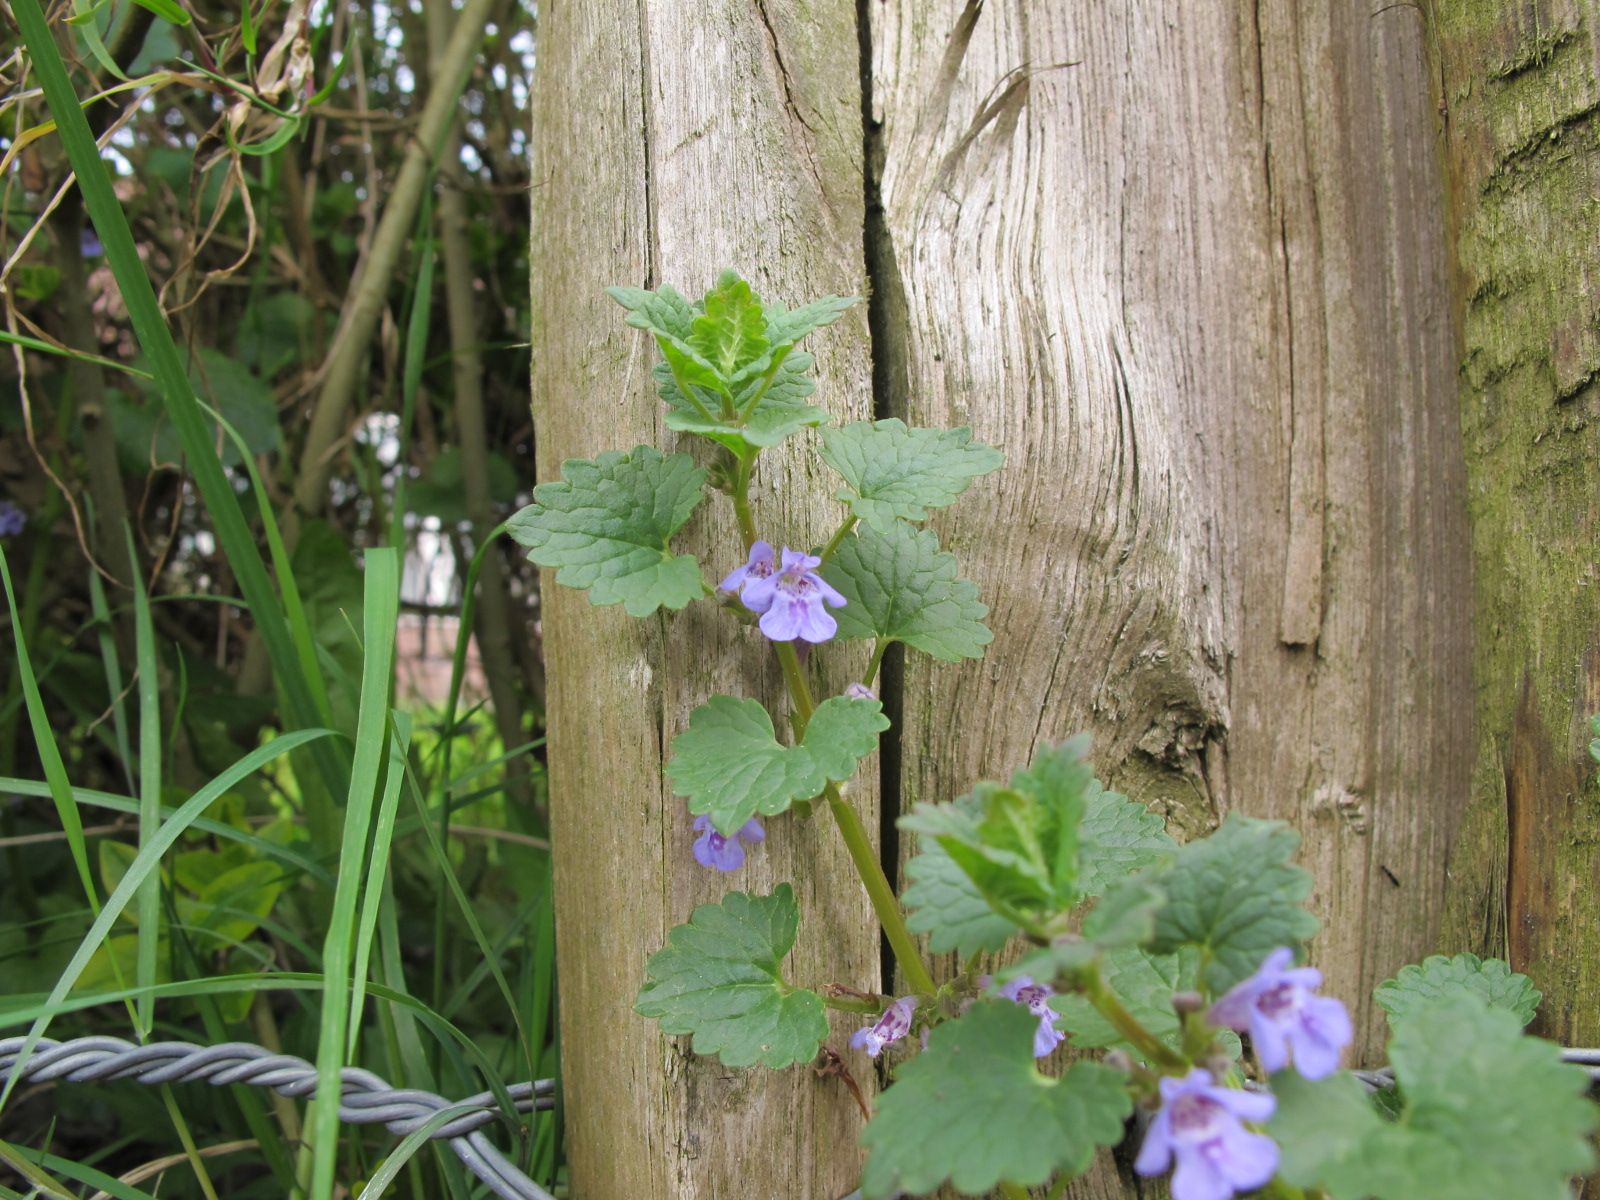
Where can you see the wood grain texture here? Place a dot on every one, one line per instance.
(1186, 263)
(1520, 84)
(674, 140)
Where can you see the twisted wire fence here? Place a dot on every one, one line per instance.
(364, 1098)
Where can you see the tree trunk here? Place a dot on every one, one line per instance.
(1521, 96)
(1188, 267)
(672, 142)
(1195, 266)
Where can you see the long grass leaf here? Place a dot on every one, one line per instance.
(43, 1184)
(380, 607)
(377, 868)
(109, 1184)
(177, 394)
(43, 347)
(447, 872)
(149, 912)
(55, 771)
(113, 670)
(264, 847)
(146, 861)
(294, 610)
(391, 1167)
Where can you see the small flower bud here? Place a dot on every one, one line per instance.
(860, 691)
(1119, 1060)
(1184, 1003)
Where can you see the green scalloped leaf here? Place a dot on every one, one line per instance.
(607, 526)
(1236, 895)
(1486, 1113)
(974, 1110)
(731, 331)
(730, 764)
(1004, 855)
(900, 587)
(719, 978)
(780, 411)
(1117, 838)
(1415, 987)
(944, 903)
(897, 473)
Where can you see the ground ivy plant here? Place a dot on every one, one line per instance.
(1172, 969)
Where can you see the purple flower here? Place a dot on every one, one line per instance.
(12, 519)
(1276, 1007)
(761, 566)
(791, 602)
(860, 691)
(1199, 1124)
(891, 1027)
(1036, 996)
(712, 849)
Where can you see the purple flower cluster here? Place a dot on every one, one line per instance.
(790, 597)
(12, 519)
(1275, 1006)
(1199, 1124)
(1035, 997)
(893, 1025)
(712, 849)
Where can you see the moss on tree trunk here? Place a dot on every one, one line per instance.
(1521, 100)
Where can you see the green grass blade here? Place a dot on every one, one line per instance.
(113, 670)
(380, 609)
(177, 394)
(166, 10)
(85, 20)
(391, 1167)
(149, 912)
(55, 771)
(91, 798)
(447, 873)
(294, 611)
(43, 1184)
(377, 868)
(144, 863)
(109, 1184)
(31, 343)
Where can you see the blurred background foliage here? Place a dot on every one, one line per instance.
(336, 235)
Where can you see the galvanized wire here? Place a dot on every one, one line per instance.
(364, 1098)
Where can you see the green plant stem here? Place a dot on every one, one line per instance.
(879, 648)
(839, 535)
(741, 499)
(1109, 1006)
(884, 902)
(1013, 1191)
(1058, 1189)
(186, 1139)
(1277, 1188)
(879, 891)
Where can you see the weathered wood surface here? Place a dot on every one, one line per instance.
(1233, 290)
(1187, 264)
(663, 136)
(1521, 95)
